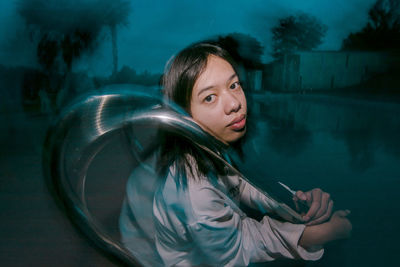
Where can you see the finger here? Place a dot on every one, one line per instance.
(343, 213)
(301, 195)
(309, 197)
(316, 194)
(312, 211)
(315, 204)
(324, 217)
(324, 205)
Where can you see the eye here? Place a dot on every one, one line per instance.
(209, 98)
(235, 85)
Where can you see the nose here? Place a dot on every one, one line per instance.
(231, 103)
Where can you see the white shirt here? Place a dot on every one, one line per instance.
(201, 224)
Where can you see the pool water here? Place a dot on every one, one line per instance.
(347, 147)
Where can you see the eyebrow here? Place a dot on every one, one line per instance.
(211, 86)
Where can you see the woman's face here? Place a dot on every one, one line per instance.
(218, 103)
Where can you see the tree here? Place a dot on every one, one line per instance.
(116, 13)
(301, 32)
(385, 15)
(382, 31)
(244, 48)
(66, 28)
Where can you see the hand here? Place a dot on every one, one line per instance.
(320, 204)
(341, 226)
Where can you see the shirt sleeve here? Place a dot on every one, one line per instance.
(254, 198)
(229, 239)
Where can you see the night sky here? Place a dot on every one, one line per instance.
(157, 29)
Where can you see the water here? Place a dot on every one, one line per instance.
(349, 148)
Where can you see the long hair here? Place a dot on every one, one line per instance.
(178, 82)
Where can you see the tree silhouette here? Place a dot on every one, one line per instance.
(301, 32)
(244, 48)
(382, 31)
(68, 28)
(115, 13)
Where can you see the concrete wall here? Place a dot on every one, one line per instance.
(324, 70)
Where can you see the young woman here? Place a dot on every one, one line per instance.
(196, 210)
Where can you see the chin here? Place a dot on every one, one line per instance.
(236, 137)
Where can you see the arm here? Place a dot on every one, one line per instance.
(227, 238)
(337, 227)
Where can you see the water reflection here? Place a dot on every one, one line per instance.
(284, 138)
(349, 148)
(366, 128)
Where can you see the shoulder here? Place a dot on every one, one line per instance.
(198, 195)
(196, 185)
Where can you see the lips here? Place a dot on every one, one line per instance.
(238, 123)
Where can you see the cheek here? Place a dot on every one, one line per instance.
(197, 114)
(207, 118)
(243, 100)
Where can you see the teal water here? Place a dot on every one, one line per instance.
(347, 147)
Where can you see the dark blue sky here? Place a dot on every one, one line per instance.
(159, 28)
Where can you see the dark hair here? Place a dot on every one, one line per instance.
(178, 82)
(186, 67)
